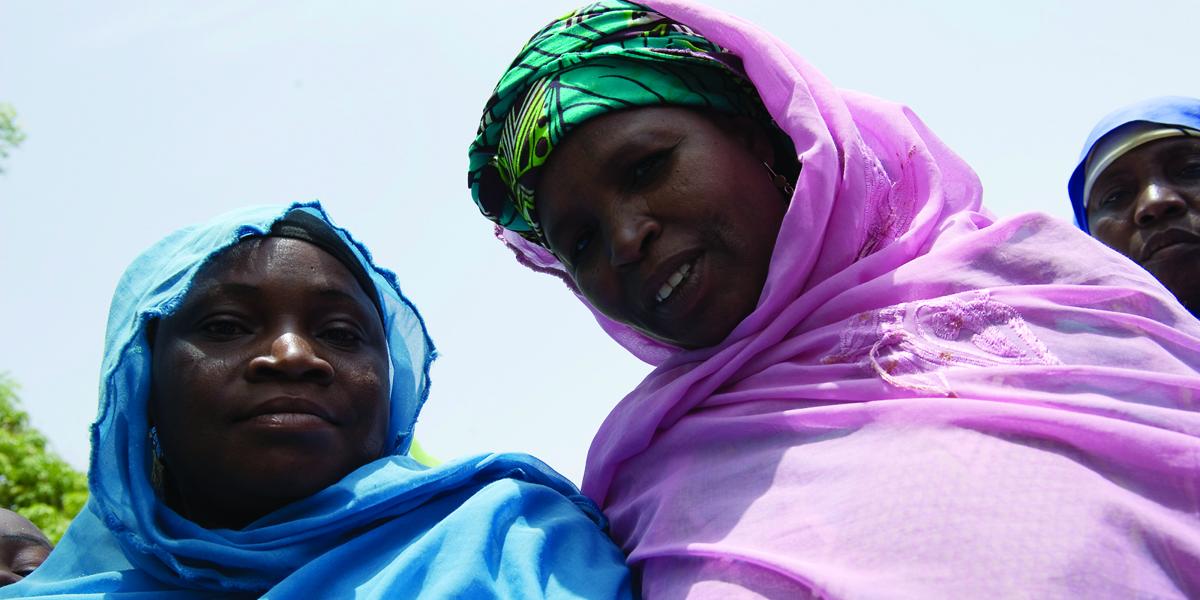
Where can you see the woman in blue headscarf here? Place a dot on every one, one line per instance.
(1137, 189)
(260, 384)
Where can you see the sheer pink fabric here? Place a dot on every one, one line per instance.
(925, 403)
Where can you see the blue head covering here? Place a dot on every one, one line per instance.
(1164, 110)
(489, 525)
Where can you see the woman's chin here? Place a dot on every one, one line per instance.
(292, 478)
(237, 495)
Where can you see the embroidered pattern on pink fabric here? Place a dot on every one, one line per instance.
(910, 345)
(889, 208)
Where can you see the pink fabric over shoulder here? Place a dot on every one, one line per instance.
(925, 403)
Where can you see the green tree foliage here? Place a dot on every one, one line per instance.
(10, 134)
(34, 481)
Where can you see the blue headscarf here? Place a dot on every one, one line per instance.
(485, 526)
(1164, 110)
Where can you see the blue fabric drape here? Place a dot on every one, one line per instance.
(503, 526)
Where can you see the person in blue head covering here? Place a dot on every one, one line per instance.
(23, 547)
(260, 384)
(1137, 189)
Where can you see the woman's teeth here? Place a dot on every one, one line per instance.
(673, 281)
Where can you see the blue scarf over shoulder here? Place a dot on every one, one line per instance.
(489, 526)
(1164, 110)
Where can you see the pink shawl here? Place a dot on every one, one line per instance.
(925, 403)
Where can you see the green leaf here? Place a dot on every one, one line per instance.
(34, 481)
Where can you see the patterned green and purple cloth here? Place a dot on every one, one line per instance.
(603, 57)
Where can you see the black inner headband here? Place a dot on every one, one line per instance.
(302, 225)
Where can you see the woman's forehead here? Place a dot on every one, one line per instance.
(1155, 153)
(600, 141)
(258, 261)
(13, 524)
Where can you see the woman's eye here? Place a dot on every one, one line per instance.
(343, 336)
(28, 560)
(581, 245)
(1112, 199)
(644, 170)
(1190, 171)
(223, 328)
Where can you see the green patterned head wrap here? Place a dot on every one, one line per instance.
(600, 58)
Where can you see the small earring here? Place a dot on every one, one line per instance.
(781, 182)
(157, 469)
(155, 446)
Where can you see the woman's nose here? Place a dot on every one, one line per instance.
(1156, 202)
(631, 234)
(291, 356)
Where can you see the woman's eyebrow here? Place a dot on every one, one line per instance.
(1186, 148)
(249, 290)
(25, 537)
(641, 139)
(334, 293)
(227, 287)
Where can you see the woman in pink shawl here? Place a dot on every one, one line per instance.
(865, 385)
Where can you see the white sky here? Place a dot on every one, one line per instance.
(146, 116)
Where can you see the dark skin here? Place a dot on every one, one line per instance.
(665, 218)
(23, 547)
(1146, 205)
(270, 382)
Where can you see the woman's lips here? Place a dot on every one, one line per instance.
(290, 421)
(673, 281)
(1168, 243)
(659, 285)
(1174, 251)
(685, 288)
(289, 413)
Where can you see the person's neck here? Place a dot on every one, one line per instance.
(204, 509)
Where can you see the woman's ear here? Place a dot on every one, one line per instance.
(752, 135)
